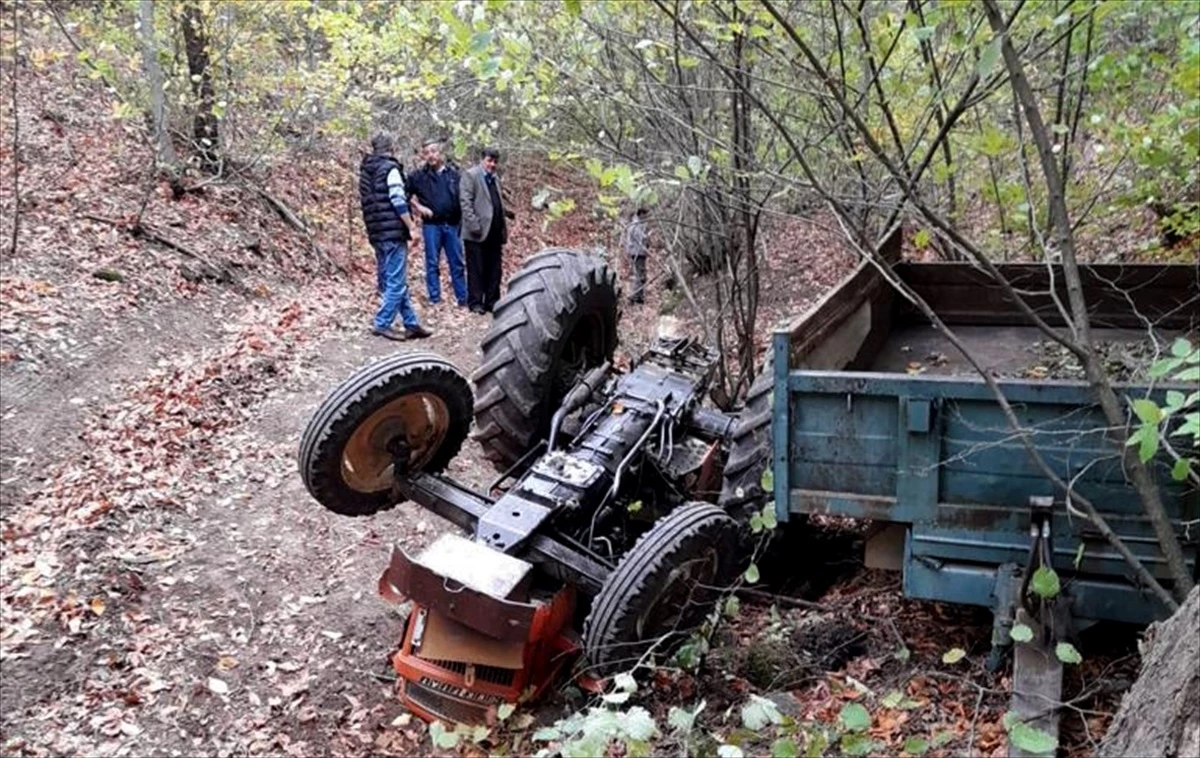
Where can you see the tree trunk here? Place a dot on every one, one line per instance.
(1160, 715)
(158, 105)
(205, 123)
(744, 293)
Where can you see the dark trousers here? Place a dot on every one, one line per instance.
(483, 273)
(638, 264)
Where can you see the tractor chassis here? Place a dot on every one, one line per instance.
(466, 508)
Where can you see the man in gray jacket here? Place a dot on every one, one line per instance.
(636, 247)
(484, 230)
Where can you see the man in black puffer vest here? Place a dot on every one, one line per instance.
(382, 192)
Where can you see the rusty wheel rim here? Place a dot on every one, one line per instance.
(420, 420)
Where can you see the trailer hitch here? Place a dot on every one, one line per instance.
(1050, 612)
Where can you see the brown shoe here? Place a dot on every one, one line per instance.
(418, 332)
(388, 333)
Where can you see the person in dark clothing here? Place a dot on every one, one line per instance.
(382, 192)
(485, 231)
(636, 247)
(434, 196)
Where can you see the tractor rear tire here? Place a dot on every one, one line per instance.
(557, 321)
(751, 446)
(635, 611)
(419, 400)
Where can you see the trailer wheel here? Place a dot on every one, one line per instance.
(413, 405)
(751, 447)
(663, 588)
(557, 321)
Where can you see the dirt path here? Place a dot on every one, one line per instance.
(245, 618)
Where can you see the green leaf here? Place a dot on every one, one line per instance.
(1045, 582)
(638, 724)
(637, 748)
(1149, 445)
(573, 7)
(547, 734)
(768, 480)
(752, 573)
(691, 653)
(1067, 653)
(921, 239)
(854, 717)
(479, 42)
(1175, 400)
(759, 712)
(767, 515)
(954, 655)
(942, 738)
(1181, 469)
(479, 733)
(625, 682)
(682, 719)
(1031, 739)
(1147, 411)
(915, 746)
(1161, 368)
(730, 751)
(923, 33)
(441, 737)
(992, 142)
(988, 58)
(902, 654)
(1190, 426)
(505, 710)
(892, 699)
(784, 747)
(634, 507)
(1021, 633)
(732, 606)
(756, 523)
(817, 739)
(858, 744)
(1181, 348)
(681, 172)
(1079, 556)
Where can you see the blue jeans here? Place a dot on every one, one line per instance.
(392, 259)
(380, 279)
(440, 237)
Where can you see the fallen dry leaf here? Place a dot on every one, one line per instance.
(402, 720)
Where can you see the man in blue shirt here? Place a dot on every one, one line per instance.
(433, 194)
(381, 192)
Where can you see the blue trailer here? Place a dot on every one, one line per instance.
(868, 412)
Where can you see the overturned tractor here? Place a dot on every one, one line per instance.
(600, 535)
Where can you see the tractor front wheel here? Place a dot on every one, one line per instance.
(663, 588)
(411, 410)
